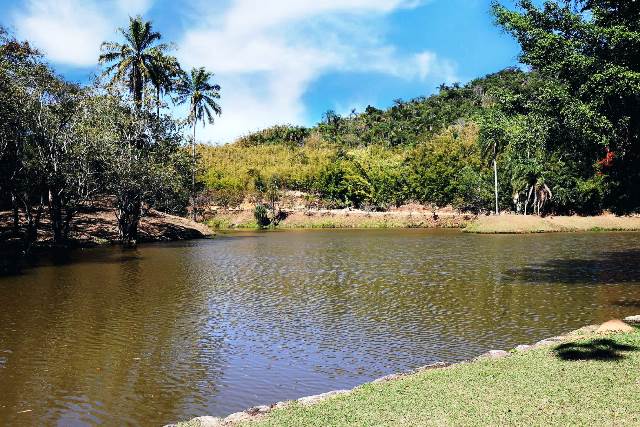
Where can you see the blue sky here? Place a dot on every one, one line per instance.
(284, 61)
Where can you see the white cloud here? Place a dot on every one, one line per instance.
(266, 55)
(70, 31)
(427, 64)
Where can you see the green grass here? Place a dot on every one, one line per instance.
(320, 223)
(588, 382)
(357, 224)
(223, 223)
(219, 223)
(520, 224)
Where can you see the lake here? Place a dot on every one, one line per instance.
(168, 332)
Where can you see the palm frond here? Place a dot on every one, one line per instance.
(208, 101)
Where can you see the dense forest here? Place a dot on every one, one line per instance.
(559, 134)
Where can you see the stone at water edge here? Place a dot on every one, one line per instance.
(260, 409)
(310, 400)
(614, 325)
(495, 354)
(237, 417)
(634, 320)
(205, 421)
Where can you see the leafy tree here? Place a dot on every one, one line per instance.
(63, 146)
(494, 136)
(447, 170)
(139, 174)
(46, 161)
(134, 177)
(280, 134)
(587, 54)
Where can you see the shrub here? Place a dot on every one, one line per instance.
(261, 214)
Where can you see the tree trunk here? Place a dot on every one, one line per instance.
(55, 216)
(193, 171)
(66, 227)
(158, 102)
(16, 214)
(137, 89)
(33, 221)
(129, 212)
(495, 176)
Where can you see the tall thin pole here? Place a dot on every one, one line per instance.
(495, 176)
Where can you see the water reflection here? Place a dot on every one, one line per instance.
(608, 268)
(168, 332)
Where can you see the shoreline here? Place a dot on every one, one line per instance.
(95, 227)
(242, 220)
(520, 224)
(261, 412)
(406, 217)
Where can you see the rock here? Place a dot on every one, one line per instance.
(523, 347)
(282, 404)
(494, 354)
(633, 320)
(614, 325)
(256, 410)
(237, 417)
(437, 365)
(310, 400)
(206, 421)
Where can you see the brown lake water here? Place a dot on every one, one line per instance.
(171, 331)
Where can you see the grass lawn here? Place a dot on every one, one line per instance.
(590, 382)
(534, 224)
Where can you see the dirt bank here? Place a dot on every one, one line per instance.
(520, 224)
(409, 216)
(98, 225)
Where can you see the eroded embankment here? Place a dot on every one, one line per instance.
(405, 217)
(98, 224)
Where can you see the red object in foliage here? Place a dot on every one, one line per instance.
(607, 161)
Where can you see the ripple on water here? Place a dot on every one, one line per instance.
(168, 332)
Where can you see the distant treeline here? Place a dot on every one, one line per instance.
(562, 131)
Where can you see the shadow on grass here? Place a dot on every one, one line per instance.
(602, 349)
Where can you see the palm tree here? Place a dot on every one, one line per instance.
(165, 75)
(137, 60)
(196, 89)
